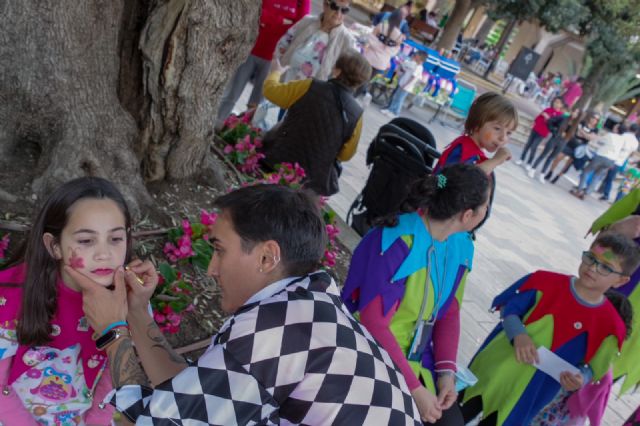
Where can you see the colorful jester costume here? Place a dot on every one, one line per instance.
(554, 318)
(403, 272)
(626, 366)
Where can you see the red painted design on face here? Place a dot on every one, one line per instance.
(75, 261)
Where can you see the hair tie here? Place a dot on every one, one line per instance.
(442, 181)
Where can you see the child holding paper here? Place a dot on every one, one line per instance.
(569, 316)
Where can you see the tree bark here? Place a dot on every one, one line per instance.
(454, 25)
(502, 42)
(126, 90)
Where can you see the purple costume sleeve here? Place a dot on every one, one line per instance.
(370, 273)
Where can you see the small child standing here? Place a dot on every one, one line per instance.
(491, 120)
(570, 316)
(540, 131)
(412, 73)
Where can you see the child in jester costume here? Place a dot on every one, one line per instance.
(569, 316)
(590, 401)
(406, 281)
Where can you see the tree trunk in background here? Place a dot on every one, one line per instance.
(125, 90)
(454, 25)
(502, 42)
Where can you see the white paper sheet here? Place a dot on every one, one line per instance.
(552, 364)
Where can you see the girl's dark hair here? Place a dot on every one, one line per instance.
(395, 20)
(624, 308)
(39, 291)
(456, 188)
(290, 217)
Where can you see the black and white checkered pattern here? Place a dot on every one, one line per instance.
(297, 357)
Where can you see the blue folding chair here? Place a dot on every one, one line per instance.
(460, 103)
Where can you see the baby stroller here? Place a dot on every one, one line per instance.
(402, 151)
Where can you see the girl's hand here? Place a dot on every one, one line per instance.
(142, 279)
(571, 382)
(427, 403)
(447, 394)
(526, 351)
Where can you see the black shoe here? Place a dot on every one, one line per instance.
(555, 179)
(547, 176)
(603, 198)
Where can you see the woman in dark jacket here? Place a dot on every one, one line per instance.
(323, 121)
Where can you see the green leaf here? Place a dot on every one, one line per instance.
(168, 272)
(174, 234)
(198, 230)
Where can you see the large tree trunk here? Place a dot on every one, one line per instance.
(454, 25)
(502, 42)
(125, 90)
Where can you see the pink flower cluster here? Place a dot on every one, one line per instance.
(183, 249)
(331, 252)
(4, 245)
(168, 320)
(245, 155)
(287, 174)
(233, 120)
(207, 218)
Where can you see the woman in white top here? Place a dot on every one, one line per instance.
(311, 47)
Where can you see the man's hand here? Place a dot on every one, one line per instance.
(101, 306)
(142, 279)
(526, 351)
(571, 382)
(447, 394)
(427, 404)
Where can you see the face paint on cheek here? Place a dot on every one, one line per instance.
(75, 261)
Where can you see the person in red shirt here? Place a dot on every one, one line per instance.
(539, 131)
(276, 18)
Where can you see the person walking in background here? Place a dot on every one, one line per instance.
(604, 157)
(629, 146)
(311, 47)
(587, 131)
(411, 75)
(276, 18)
(558, 126)
(572, 91)
(384, 43)
(538, 133)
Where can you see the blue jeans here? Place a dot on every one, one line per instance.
(598, 166)
(397, 100)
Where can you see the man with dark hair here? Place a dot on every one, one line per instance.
(289, 353)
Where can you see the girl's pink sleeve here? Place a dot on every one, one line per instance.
(378, 325)
(446, 335)
(96, 415)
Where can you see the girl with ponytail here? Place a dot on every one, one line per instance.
(405, 282)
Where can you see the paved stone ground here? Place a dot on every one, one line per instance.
(533, 226)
